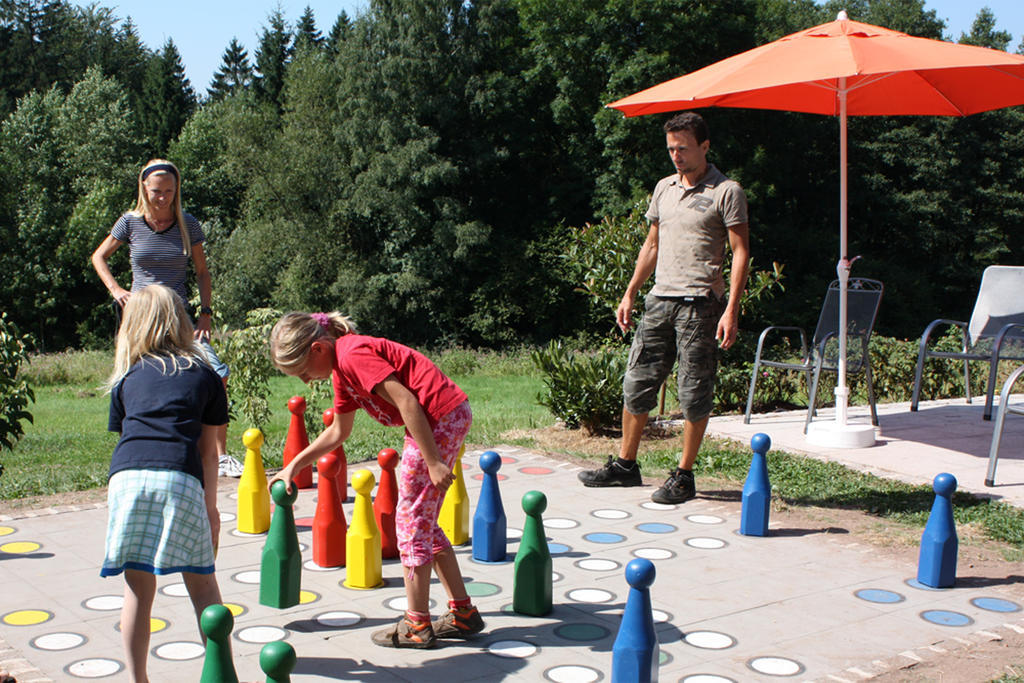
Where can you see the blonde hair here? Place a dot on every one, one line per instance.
(294, 333)
(142, 206)
(154, 327)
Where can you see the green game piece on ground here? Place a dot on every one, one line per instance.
(277, 660)
(531, 585)
(216, 623)
(281, 565)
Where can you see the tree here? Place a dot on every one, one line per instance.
(235, 72)
(307, 35)
(984, 34)
(272, 58)
(168, 99)
(339, 32)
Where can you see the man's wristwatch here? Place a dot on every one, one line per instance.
(205, 310)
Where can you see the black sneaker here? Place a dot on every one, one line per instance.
(612, 474)
(677, 488)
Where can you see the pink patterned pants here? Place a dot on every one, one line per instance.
(419, 501)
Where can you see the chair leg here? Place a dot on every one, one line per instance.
(997, 431)
(871, 394)
(967, 370)
(993, 369)
(812, 395)
(917, 375)
(750, 394)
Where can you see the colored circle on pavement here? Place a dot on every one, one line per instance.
(572, 673)
(338, 619)
(481, 589)
(20, 547)
(581, 632)
(706, 678)
(261, 634)
(535, 470)
(653, 553)
(55, 642)
(597, 564)
(7, 530)
(251, 577)
(558, 548)
(775, 666)
(604, 537)
(508, 460)
(995, 605)
(590, 595)
(704, 519)
(914, 583)
(175, 590)
(709, 640)
(27, 617)
(944, 617)
(879, 595)
(656, 528)
(306, 597)
(651, 505)
(513, 649)
(705, 543)
(560, 523)
(480, 477)
(94, 668)
(610, 513)
(236, 610)
(179, 651)
(104, 603)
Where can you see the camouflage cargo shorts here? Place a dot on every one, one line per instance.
(674, 329)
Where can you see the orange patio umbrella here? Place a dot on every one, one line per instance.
(846, 68)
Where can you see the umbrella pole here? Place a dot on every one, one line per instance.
(843, 267)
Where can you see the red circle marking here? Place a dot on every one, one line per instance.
(480, 477)
(536, 470)
(507, 460)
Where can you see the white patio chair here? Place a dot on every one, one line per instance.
(997, 431)
(995, 332)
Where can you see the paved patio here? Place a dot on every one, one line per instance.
(942, 436)
(802, 603)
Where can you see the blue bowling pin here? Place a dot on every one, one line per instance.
(757, 491)
(489, 526)
(635, 651)
(936, 565)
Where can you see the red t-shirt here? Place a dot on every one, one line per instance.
(363, 362)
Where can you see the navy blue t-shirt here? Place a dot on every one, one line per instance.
(160, 415)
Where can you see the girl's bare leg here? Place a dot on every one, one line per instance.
(139, 589)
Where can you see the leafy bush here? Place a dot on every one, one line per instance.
(15, 393)
(246, 352)
(582, 389)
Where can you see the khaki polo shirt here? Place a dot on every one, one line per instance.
(693, 232)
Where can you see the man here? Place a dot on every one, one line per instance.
(693, 213)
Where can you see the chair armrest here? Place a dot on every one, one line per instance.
(935, 323)
(1000, 337)
(782, 328)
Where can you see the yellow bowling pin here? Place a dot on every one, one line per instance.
(362, 544)
(253, 497)
(454, 516)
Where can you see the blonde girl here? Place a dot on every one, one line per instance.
(396, 385)
(167, 404)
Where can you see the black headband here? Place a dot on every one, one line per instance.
(149, 170)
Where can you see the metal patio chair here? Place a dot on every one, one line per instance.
(862, 301)
(997, 430)
(995, 332)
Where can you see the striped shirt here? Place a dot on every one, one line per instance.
(157, 257)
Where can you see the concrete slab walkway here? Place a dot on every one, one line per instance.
(802, 603)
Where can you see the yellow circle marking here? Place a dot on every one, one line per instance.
(307, 597)
(20, 547)
(6, 530)
(234, 609)
(156, 624)
(27, 617)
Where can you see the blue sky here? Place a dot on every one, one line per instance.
(202, 29)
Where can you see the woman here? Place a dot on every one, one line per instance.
(160, 238)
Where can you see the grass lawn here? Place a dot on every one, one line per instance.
(68, 447)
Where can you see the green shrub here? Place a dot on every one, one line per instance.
(582, 389)
(15, 393)
(247, 353)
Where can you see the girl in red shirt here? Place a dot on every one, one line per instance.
(396, 385)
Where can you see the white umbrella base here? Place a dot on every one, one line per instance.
(833, 435)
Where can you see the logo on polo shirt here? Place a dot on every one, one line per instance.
(701, 204)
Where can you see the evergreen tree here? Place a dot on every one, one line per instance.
(272, 58)
(339, 32)
(235, 73)
(168, 99)
(984, 34)
(307, 35)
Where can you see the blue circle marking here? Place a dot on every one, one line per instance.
(656, 527)
(946, 618)
(914, 583)
(879, 595)
(604, 537)
(558, 548)
(995, 605)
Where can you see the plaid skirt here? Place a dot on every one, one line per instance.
(157, 523)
